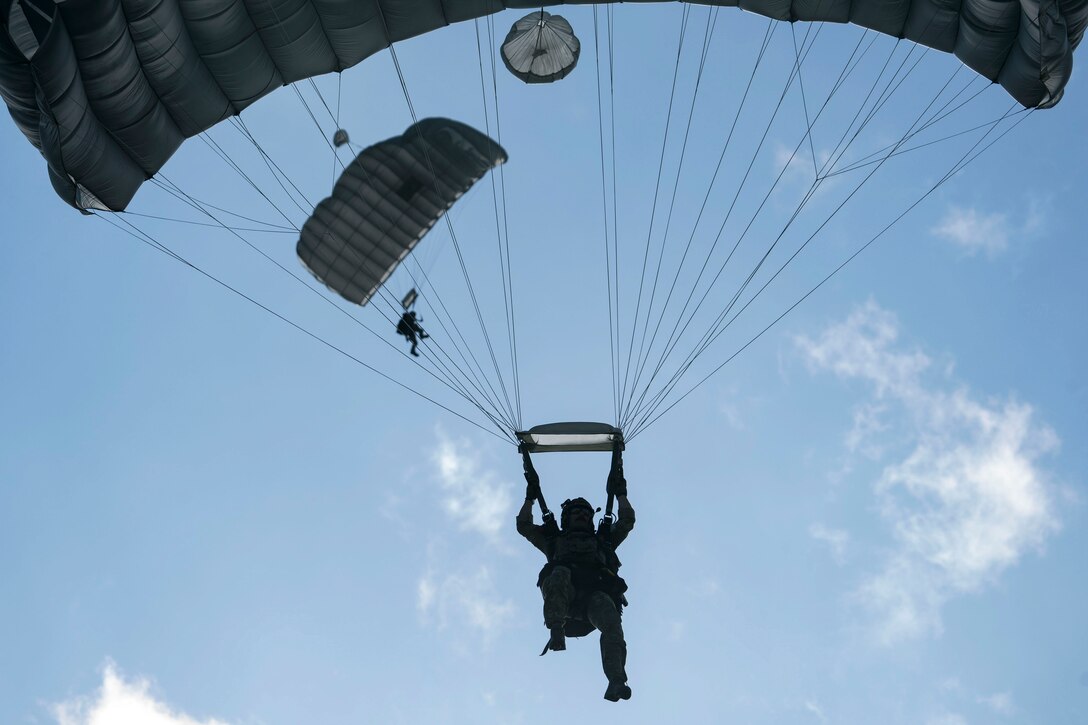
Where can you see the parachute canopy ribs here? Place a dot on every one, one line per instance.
(387, 199)
(541, 48)
(562, 437)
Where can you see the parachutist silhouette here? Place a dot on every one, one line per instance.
(409, 327)
(580, 583)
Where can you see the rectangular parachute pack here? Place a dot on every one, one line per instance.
(565, 437)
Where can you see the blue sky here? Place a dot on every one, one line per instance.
(874, 513)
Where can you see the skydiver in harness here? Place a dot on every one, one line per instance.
(409, 327)
(580, 584)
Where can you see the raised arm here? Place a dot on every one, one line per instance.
(537, 535)
(617, 486)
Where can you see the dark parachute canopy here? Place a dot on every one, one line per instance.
(387, 199)
(541, 48)
(108, 90)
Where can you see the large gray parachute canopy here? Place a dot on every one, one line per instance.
(541, 48)
(108, 90)
(387, 199)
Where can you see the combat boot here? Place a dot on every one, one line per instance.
(617, 691)
(558, 641)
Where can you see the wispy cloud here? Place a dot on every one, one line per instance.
(966, 502)
(946, 718)
(999, 702)
(476, 498)
(468, 599)
(122, 702)
(798, 165)
(974, 231)
(814, 708)
(836, 539)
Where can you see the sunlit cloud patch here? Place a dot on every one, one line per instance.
(966, 501)
(476, 498)
(836, 540)
(462, 599)
(120, 701)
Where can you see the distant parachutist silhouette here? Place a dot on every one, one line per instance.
(411, 329)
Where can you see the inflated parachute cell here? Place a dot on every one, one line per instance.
(387, 199)
(107, 90)
(541, 48)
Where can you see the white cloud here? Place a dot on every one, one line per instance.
(836, 539)
(814, 708)
(974, 231)
(863, 434)
(731, 412)
(122, 702)
(460, 598)
(946, 718)
(798, 164)
(966, 502)
(476, 498)
(999, 702)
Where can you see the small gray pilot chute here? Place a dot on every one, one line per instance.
(541, 48)
(340, 138)
(562, 437)
(387, 199)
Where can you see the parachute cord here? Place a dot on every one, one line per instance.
(215, 147)
(451, 371)
(453, 340)
(706, 197)
(657, 189)
(298, 93)
(339, 93)
(277, 173)
(604, 199)
(150, 241)
(506, 230)
(503, 243)
(271, 227)
(449, 224)
(453, 237)
(839, 151)
(870, 159)
(179, 193)
(164, 184)
(468, 372)
(717, 328)
(748, 171)
(173, 220)
(708, 33)
(804, 101)
(468, 360)
(325, 136)
(610, 26)
(962, 163)
(674, 339)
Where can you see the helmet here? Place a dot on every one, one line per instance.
(573, 503)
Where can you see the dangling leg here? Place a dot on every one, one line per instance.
(558, 593)
(604, 616)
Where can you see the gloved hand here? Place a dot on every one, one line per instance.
(532, 480)
(617, 484)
